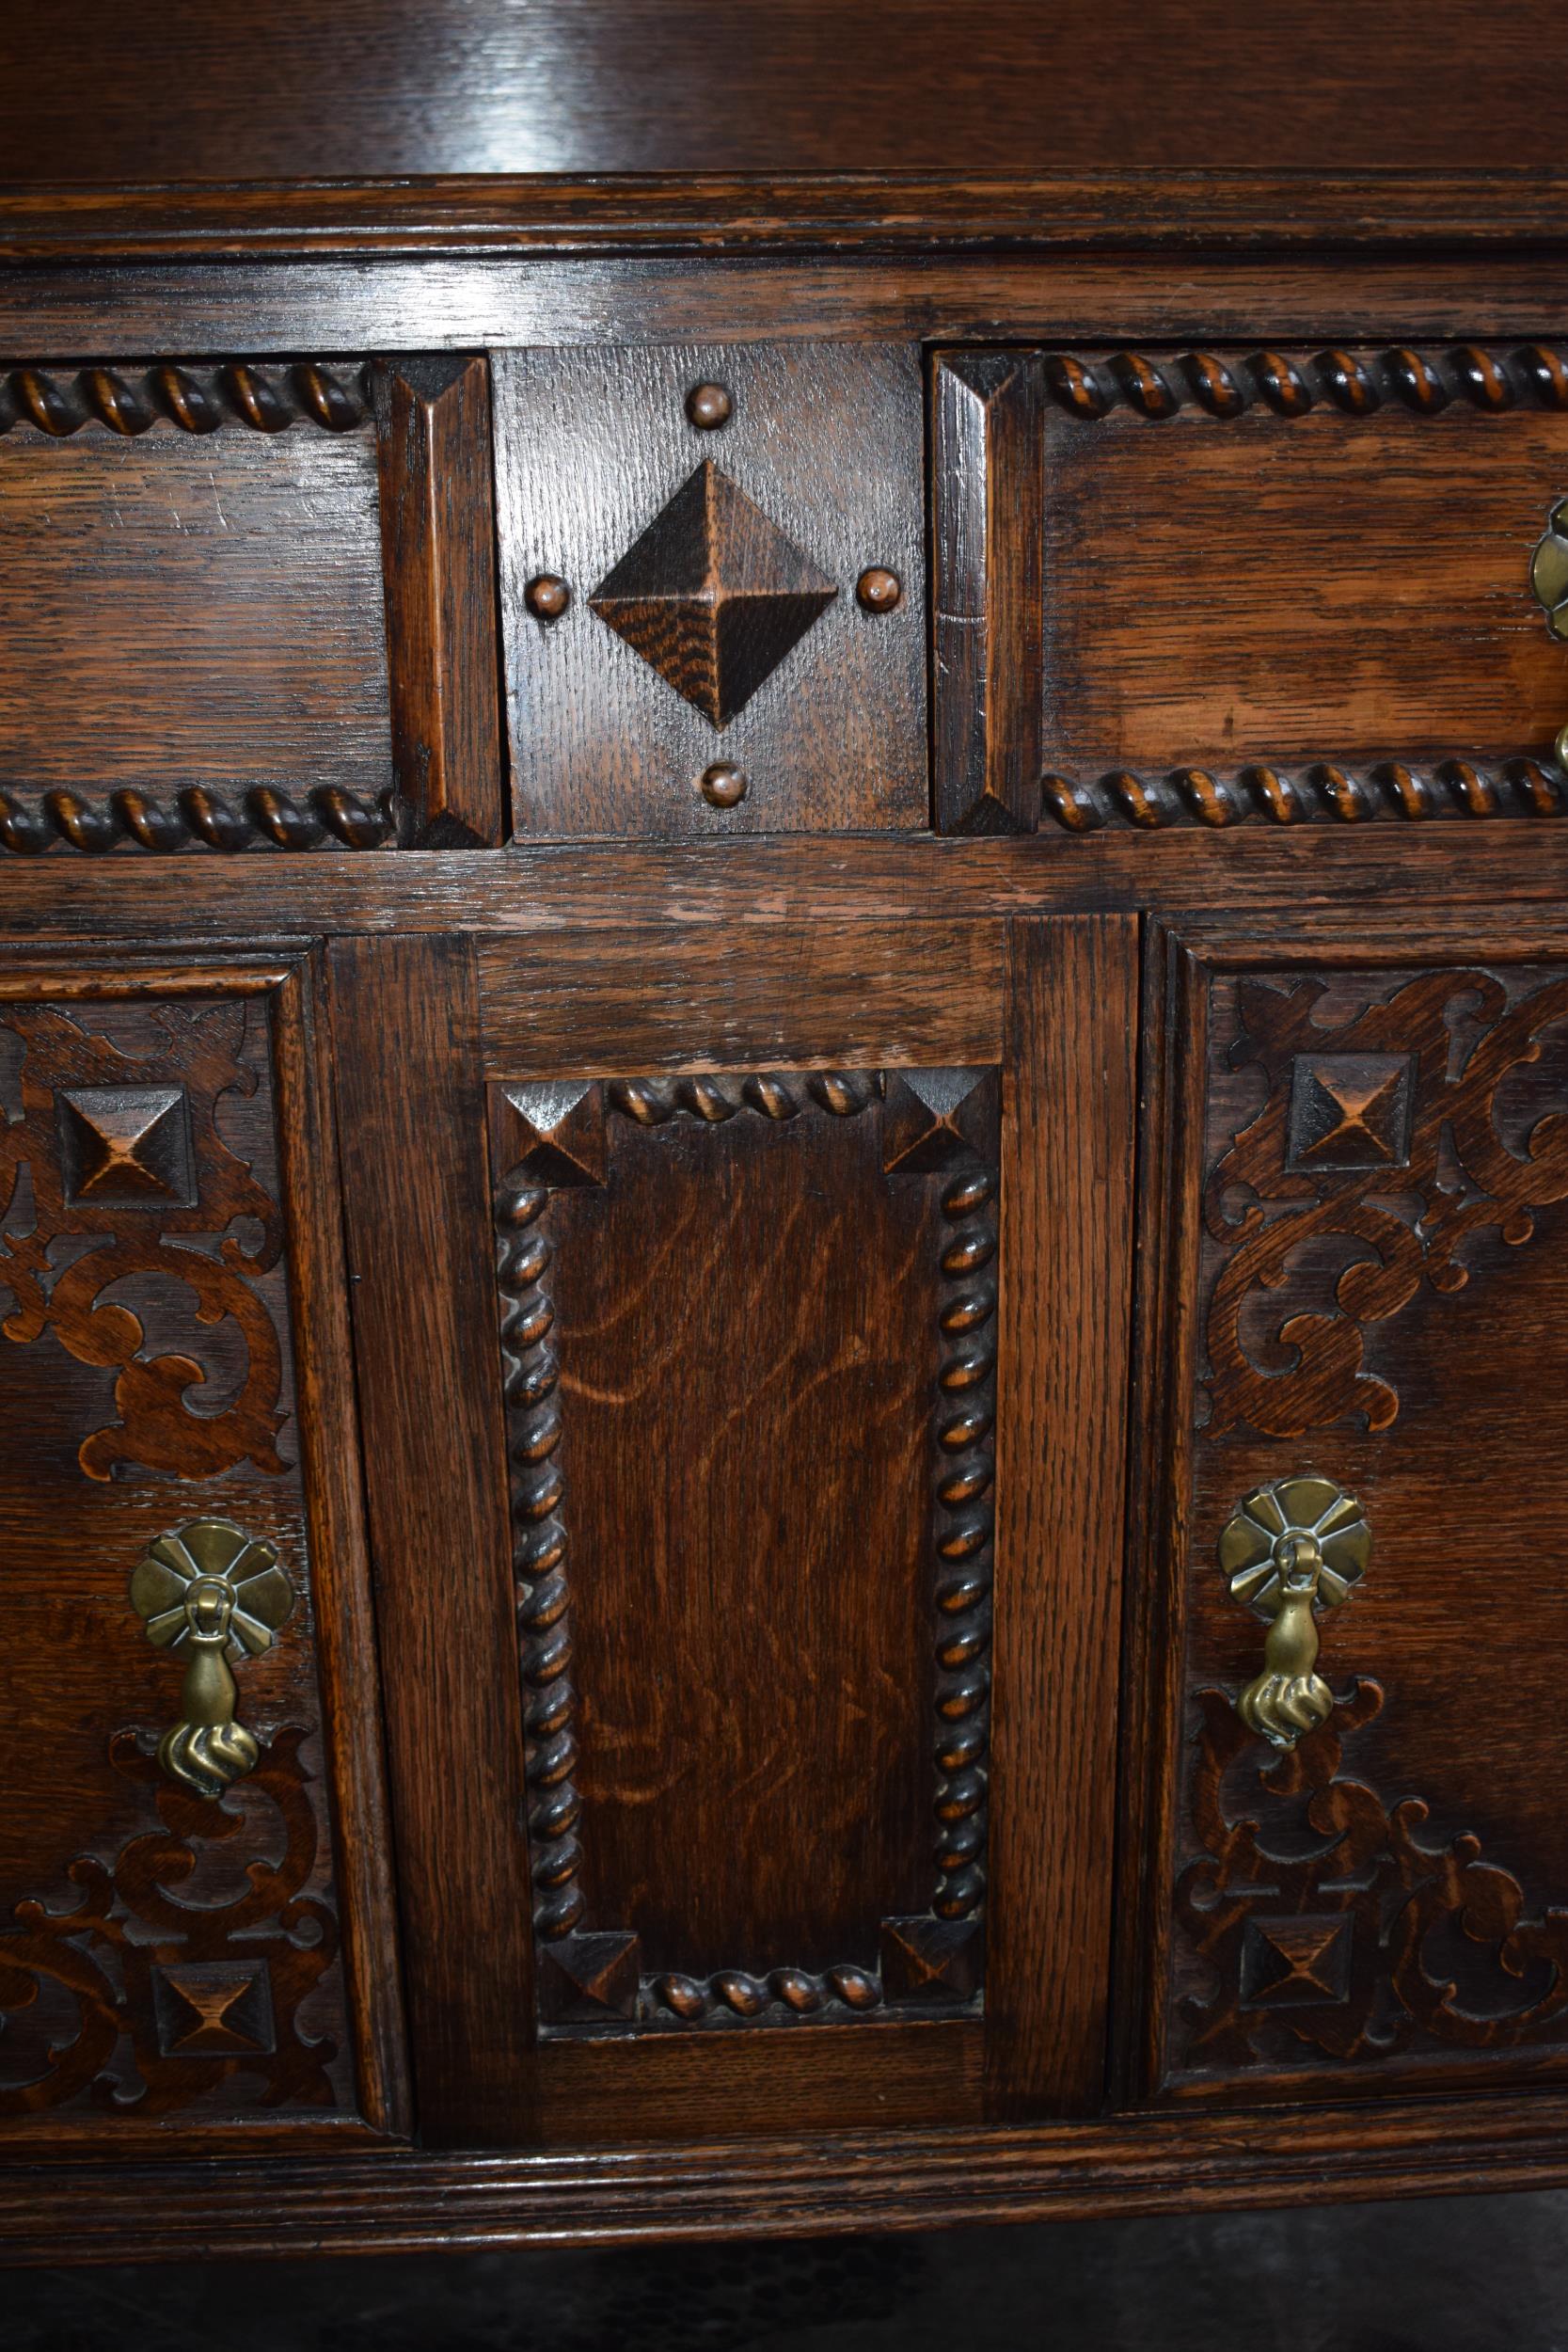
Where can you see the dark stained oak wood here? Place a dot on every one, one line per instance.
(683, 998)
(1335, 1335)
(987, 594)
(405, 1024)
(1204, 567)
(1066, 1301)
(437, 503)
(880, 213)
(138, 1419)
(397, 89)
(192, 609)
(792, 2186)
(712, 614)
(1298, 292)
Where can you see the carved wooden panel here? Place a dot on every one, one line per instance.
(750, 1364)
(696, 544)
(1367, 1272)
(1279, 586)
(161, 1952)
(197, 646)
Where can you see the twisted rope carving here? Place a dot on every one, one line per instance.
(1292, 383)
(731, 1992)
(195, 400)
(539, 1557)
(713, 1097)
(1191, 796)
(200, 819)
(965, 1525)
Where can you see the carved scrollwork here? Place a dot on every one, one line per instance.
(124, 1153)
(138, 2001)
(1377, 1141)
(1332, 1928)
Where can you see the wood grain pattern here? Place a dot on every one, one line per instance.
(1444, 1657)
(681, 996)
(641, 1913)
(405, 1021)
(1215, 525)
(402, 89)
(192, 611)
(1064, 1323)
(598, 464)
(1426, 215)
(1310, 294)
(987, 593)
(437, 541)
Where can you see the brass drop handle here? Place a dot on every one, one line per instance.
(1549, 580)
(1289, 1551)
(206, 1587)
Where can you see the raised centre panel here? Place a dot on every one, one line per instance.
(752, 1263)
(1353, 1628)
(195, 1917)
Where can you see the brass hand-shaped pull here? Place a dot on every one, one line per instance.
(1549, 580)
(1291, 1549)
(201, 1588)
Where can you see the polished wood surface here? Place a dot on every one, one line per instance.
(711, 572)
(1327, 1329)
(192, 609)
(389, 86)
(1345, 586)
(704, 1252)
(129, 1899)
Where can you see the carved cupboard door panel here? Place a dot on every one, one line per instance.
(194, 1924)
(1356, 1622)
(743, 1358)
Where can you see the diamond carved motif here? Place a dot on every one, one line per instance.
(1285, 1962)
(1351, 1110)
(126, 1146)
(713, 596)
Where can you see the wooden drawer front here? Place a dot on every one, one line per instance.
(1365, 1278)
(739, 536)
(196, 645)
(180, 1941)
(1213, 587)
(761, 1213)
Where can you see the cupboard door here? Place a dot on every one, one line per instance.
(1359, 1859)
(750, 1618)
(195, 1923)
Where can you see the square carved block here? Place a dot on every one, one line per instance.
(713, 588)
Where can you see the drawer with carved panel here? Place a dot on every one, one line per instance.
(1347, 1795)
(1211, 587)
(195, 1916)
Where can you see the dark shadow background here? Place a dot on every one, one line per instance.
(1482, 2274)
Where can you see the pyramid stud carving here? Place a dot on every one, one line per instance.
(925, 1959)
(1286, 1961)
(590, 1978)
(713, 596)
(208, 2010)
(1349, 1110)
(936, 1119)
(126, 1146)
(553, 1129)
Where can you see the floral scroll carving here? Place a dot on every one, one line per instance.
(1333, 1927)
(124, 1153)
(1377, 1142)
(141, 2000)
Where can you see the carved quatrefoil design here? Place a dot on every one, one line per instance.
(713, 596)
